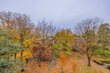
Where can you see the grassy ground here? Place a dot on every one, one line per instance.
(81, 67)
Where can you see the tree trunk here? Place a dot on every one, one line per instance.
(8, 58)
(39, 59)
(22, 61)
(89, 61)
(89, 58)
(21, 55)
(103, 48)
(15, 57)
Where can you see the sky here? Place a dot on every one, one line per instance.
(62, 13)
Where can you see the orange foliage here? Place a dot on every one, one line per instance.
(74, 65)
(63, 60)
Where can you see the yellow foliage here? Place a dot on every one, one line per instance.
(27, 53)
(2, 37)
(28, 43)
(35, 29)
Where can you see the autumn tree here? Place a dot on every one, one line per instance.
(8, 49)
(44, 33)
(64, 40)
(20, 29)
(88, 30)
(20, 26)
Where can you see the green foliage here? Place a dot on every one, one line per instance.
(63, 40)
(104, 36)
(10, 66)
(8, 49)
(68, 53)
(57, 46)
(56, 55)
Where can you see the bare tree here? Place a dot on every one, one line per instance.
(87, 31)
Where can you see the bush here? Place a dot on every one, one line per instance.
(108, 66)
(56, 55)
(67, 53)
(101, 53)
(98, 62)
(75, 50)
(105, 60)
(11, 66)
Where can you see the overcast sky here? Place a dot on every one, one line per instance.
(63, 13)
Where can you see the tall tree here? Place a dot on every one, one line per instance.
(20, 28)
(88, 30)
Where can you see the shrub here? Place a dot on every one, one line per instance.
(108, 66)
(11, 66)
(56, 55)
(101, 53)
(67, 53)
(98, 62)
(105, 60)
(75, 50)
